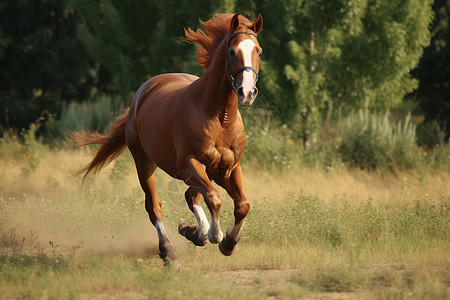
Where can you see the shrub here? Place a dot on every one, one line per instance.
(371, 142)
(32, 149)
(439, 158)
(272, 147)
(91, 115)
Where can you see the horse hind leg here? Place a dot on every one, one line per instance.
(153, 207)
(196, 234)
(146, 173)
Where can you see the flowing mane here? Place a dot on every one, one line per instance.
(216, 29)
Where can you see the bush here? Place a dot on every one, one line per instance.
(271, 148)
(91, 115)
(370, 142)
(439, 158)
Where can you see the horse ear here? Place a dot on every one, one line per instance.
(257, 26)
(234, 22)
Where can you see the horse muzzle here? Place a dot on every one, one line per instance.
(246, 98)
(247, 90)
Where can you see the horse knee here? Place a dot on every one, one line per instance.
(213, 201)
(241, 209)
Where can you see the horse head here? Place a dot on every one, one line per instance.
(243, 53)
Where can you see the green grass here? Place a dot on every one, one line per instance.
(313, 234)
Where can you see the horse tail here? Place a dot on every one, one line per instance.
(111, 145)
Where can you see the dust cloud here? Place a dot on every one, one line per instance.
(22, 235)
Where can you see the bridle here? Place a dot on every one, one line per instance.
(244, 68)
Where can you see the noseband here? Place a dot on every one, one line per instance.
(244, 68)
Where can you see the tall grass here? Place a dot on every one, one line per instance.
(307, 219)
(91, 115)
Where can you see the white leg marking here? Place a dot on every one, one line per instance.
(202, 221)
(161, 230)
(247, 46)
(215, 235)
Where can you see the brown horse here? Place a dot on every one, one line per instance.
(191, 128)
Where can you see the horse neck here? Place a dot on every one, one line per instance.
(219, 99)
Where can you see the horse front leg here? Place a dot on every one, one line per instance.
(196, 234)
(199, 184)
(234, 186)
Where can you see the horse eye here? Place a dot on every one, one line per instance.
(232, 53)
(260, 53)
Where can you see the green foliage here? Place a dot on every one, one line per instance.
(271, 148)
(142, 38)
(370, 142)
(328, 57)
(321, 58)
(89, 115)
(360, 140)
(439, 158)
(434, 91)
(94, 115)
(43, 63)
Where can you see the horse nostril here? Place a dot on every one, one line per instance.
(254, 92)
(240, 92)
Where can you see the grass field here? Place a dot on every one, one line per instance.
(310, 234)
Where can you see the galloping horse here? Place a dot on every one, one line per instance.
(191, 128)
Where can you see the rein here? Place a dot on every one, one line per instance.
(244, 68)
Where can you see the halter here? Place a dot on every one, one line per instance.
(244, 68)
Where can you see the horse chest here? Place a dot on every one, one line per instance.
(219, 162)
(219, 150)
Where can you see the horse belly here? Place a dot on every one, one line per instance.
(159, 148)
(154, 130)
(156, 118)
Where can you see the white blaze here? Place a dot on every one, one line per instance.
(247, 46)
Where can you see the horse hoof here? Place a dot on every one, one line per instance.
(192, 234)
(226, 248)
(215, 238)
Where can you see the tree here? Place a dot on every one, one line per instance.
(42, 62)
(321, 58)
(326, 58)
(433, 71)
(139, 39)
